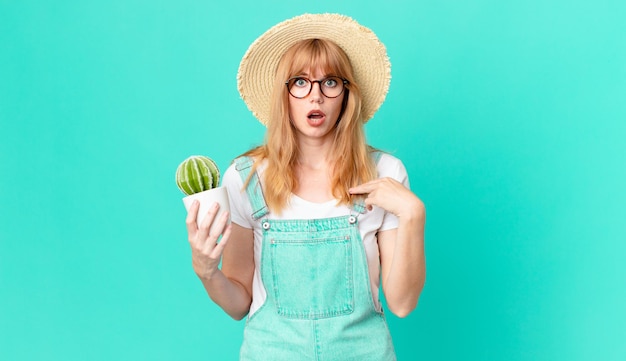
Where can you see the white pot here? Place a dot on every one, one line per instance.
(206, 199)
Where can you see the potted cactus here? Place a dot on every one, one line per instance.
(198, 177)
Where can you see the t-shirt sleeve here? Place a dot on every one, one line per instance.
(240, 208)
(392, 167)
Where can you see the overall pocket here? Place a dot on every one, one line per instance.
(312, 278)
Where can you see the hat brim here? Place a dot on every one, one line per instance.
(368, 57)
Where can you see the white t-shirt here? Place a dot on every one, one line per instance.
(369, 223)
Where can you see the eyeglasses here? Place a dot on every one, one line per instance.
(300, 87)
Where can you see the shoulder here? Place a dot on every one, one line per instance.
(231, 175)
(239, 170)
(392, 167)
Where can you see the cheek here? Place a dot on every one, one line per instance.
(294, 106)
(337, 105)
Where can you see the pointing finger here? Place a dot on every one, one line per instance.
(363, 188)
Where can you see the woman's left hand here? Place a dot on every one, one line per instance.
(392, 196)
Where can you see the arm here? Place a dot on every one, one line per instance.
(402, 249)
(230, 287)
(402, 261)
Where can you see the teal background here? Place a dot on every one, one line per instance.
(509, 115)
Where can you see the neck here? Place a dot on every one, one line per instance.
(314, 154)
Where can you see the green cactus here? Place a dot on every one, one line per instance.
(197, 174)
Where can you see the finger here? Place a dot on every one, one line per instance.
(369, 203)
(216, 230)
(205, 225)
(219, 248)
(190, 221)
(362, 188)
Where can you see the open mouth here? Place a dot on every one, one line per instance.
(316, 115)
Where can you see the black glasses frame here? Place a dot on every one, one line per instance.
(319, 83)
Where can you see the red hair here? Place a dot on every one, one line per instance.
(350, 155)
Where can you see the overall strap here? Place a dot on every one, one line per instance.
(359, 203)
(243, 165)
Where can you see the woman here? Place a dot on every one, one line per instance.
(318, 217)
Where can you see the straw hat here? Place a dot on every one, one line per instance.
(372, 70)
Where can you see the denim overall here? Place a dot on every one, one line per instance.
(319, 302)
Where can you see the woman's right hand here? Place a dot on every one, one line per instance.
(206, 252)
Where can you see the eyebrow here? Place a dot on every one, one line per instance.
(324, 76)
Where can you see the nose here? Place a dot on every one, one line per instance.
(316, 93)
